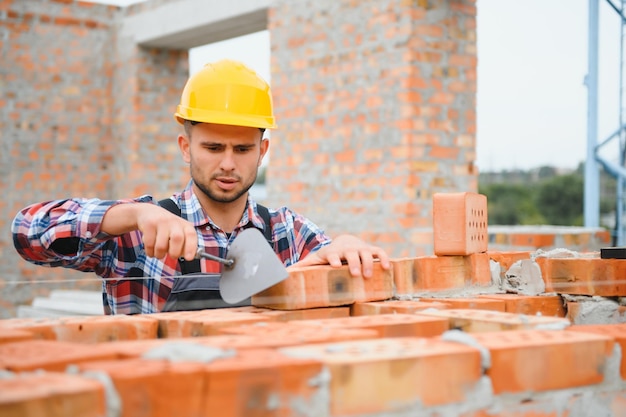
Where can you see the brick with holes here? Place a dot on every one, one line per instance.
(459, 223)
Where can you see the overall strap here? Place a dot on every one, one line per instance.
(170, 205)
(267, 225)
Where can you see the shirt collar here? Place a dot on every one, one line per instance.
(191, 210)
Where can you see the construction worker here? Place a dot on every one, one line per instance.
(141, 246)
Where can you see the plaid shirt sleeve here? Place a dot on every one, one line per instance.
(37, 227)
(295, 236)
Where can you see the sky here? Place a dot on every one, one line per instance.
(531, 96)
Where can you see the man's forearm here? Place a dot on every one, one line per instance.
(120, 219)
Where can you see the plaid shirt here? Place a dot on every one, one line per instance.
(38, 226)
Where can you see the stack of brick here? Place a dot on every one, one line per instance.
(435, 335)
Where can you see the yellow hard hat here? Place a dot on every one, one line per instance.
(229, 93)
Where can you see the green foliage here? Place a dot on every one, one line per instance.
(511, 204)
(541, 197)
(560, 199)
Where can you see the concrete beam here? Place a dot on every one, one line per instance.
(189, 23)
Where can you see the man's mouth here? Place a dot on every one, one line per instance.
(226, 183)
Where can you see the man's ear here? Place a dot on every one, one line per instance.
(265, 145)
(184, 144)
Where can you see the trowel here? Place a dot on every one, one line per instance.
(250, 267)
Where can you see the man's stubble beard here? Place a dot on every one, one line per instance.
(221, 199)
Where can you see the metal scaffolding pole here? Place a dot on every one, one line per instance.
(619, 206)
(592, 173)
(594, 159)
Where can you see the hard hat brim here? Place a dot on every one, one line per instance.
(223, 118)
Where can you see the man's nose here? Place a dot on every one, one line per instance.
(228, 160)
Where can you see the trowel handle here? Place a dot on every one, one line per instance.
(203, 254)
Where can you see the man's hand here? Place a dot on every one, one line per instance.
(359, 255)
(163, 233)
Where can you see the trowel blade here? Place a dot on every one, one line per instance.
(256, 267)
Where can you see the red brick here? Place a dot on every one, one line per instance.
(261, 382)
(387, 325)
(106, 328)
(478, 269)
(308, 287)
(376, 288)
(67, 21)
(385, 375)
(129, 349)
(584, 276)
(617, 332)
(289, 315)
(87, 329)
(542, 360)
(155, 388)
(202, 322)
(533, 240)
(440, 273)
(51, 395)
(544, 305)
(325, 286)
(275, 334)
(8, 335)
(49, 355)
(393, 306)
(474, 303)
(404, 277)
(506, 259)
(40, 328)
(459, 223)
(476, 321)
(413, 276)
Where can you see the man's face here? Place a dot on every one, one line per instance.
(223, 159)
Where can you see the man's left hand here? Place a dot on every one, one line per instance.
(359, 255)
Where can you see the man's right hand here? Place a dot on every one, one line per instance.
(163, 233)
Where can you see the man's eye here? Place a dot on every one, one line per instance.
(243, 149)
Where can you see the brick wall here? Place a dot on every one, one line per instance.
(375, 103)
(83, 112)
(375, 115)
(352, 350)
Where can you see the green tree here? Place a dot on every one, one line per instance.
(560, 199)
(515, 197)
(546, 172)
(510, 204)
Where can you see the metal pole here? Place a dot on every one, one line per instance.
(592, 174)
(619, 207)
